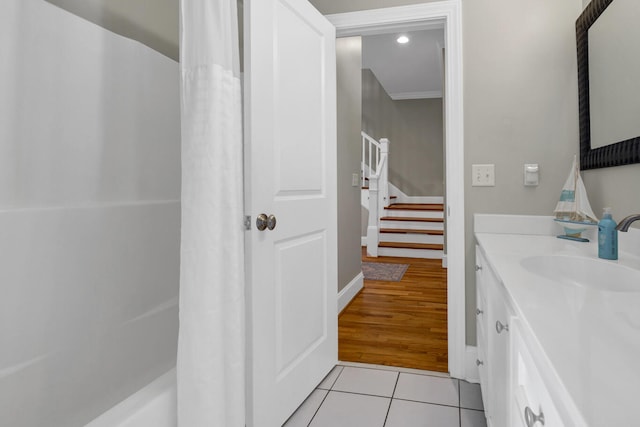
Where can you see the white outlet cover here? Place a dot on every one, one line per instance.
(483, 175)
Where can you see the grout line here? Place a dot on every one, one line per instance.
(391, 401)
(395, 369)
(319, 406)
(362, 394)
(427, 403)
(459, 404)
(337, 376)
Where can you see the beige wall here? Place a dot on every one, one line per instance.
(414, 129)
(349, 63)
(332, 6)
(151, 22)
(520, 107)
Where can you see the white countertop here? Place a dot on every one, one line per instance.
(591, 338)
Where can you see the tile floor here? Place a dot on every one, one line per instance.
(358, 395)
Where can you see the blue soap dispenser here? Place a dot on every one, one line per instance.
(607, 236)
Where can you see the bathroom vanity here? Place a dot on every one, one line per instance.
(558, 330)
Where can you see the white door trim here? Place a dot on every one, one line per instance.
(448, 15)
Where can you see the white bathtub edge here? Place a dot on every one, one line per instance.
(156, 401)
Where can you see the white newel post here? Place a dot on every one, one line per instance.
(383, 192)
(372, 228)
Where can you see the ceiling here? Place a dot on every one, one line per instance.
(406, 71)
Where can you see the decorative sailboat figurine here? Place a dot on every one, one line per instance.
(573, 211)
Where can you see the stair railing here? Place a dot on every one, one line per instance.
(377, 175)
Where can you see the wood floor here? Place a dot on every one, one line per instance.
(398, 323)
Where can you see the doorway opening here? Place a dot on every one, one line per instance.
(444, 15)
(399, 321)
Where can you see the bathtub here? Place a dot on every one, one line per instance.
(152, 406)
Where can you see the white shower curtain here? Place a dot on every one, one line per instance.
(211, 357)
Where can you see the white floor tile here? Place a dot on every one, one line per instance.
(471, 418)
(351, 410)
(366, 381)
(331, 377)
(424, 388)
(470, 396)
(415, 414)
(307, 410)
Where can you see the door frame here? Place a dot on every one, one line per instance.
(445, 14)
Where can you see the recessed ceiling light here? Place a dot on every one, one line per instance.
(402, 39)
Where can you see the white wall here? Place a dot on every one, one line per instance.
(89, 216)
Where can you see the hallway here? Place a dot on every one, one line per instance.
(398, 323)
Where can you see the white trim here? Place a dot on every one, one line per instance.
(401, 96)
(350, 291)
(363, 240)
(449, 13)
(444, 261)
(471, 355)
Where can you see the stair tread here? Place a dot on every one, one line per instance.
(365, 188)
(401, 245)
(416, 206)
(409, 231)
(405, 218)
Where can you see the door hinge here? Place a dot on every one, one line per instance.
(247, 222)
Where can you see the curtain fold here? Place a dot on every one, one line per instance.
(211, 354)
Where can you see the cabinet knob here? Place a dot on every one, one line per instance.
(531, 418)
(479, 362)
(478, 267)
(479, 312)
(500, 327)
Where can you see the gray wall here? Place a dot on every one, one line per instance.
(89, 216)
(349, 63)
(414, 129)
(154, 23)
(520, 107)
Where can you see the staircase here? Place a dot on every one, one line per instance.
(399, 225)
(413, 230)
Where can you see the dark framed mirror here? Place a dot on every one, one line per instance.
(608, 44)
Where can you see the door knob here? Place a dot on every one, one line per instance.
(271, 222)
(263, 222)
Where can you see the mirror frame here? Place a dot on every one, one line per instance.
(616, 154)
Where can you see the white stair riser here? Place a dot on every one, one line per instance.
(412, 225)
(413, 213)
(410, 253)
(411, 238)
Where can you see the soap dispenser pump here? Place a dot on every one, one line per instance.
(607, 236)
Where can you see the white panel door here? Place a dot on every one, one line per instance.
(290, 122)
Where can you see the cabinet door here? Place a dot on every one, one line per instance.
(493, 314)
(499, 318)
(481, 329)
(530, 401)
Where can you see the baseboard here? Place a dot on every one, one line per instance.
(363, 241)
(471, 369)
(444, 260)
(351, 290)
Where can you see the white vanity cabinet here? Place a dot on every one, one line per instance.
(518, 386)
(493, 321)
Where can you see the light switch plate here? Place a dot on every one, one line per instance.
(483, 175)
(355, 180)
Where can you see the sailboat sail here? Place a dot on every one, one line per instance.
(574, 205)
